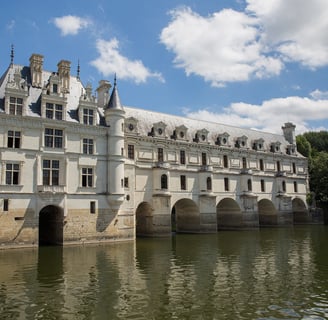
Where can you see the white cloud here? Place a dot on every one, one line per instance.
(270, 115)
(71, 25)
(319, 95)
(221, 48)
(230, 45)
(111, 61)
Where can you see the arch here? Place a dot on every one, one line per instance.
(229, 215)
(268, 215)
(300, 212)
(51, 226)
(185, 216)
(144, 219)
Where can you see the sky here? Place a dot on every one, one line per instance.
(248, 63)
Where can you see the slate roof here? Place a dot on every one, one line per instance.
(145, 118)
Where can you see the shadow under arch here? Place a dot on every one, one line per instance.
(185, 216)
(144, 220)
(51, 226)
(300, 212)
(229, 215)
(268, 215)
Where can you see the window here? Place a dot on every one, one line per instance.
(182, 157)
(225, 161)
(160, 155)
(295, 187)
(55, 88)
(53, 138)
(244, 163)
(54, 111)
(14, 138)
(5, 204)
(262, 185)
(92, 206)
(16, 106)
(283, 185)
(294, 167)
(249, 185)
(204, 159)
(12, 173)
(261, 165)
(183, 182)
(126, 182)
(131, 151)
(164, 181)
(87, 146)
(88, 116)
(50, 172)
(208, 183)
(278, 166)
(226, 184)
(87, 177)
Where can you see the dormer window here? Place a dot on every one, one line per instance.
(258, 144)
(16, 106)
(158, 129)
(291, 149)
(131, 125)
(54, 111)
(16, 93)
(241, 142)
(201, 136)
(180, 133)
(275, 146)
(88, 116)
(222, 139)
(55, 88)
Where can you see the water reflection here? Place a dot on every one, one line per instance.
(267, 274)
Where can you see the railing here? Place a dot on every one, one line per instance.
(51, 189)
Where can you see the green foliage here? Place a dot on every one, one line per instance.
(319, 176)
(314, 146)
(303, 146)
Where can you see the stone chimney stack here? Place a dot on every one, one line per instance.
(64, 72)
(103, 93)
(289, 132)
(36, 65)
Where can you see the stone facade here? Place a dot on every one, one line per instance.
(79, 168)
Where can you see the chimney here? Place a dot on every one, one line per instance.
(64, 68)
(289, 132)
(36, 64)
(103, 93)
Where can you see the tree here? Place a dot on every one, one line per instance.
(319, 177)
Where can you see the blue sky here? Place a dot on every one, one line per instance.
(249, 63)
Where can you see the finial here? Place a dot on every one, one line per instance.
(78, 69)
(115, 80)
(12, 55)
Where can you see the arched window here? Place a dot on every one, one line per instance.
(209, 183)
(249, 184)
(164, 181)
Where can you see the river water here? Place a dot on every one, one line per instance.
(271, 274)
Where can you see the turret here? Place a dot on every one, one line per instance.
(115, 116)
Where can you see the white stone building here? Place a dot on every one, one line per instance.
(75, 167)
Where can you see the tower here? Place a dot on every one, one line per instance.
(114, 117)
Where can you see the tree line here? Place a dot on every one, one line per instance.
(314, 146)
